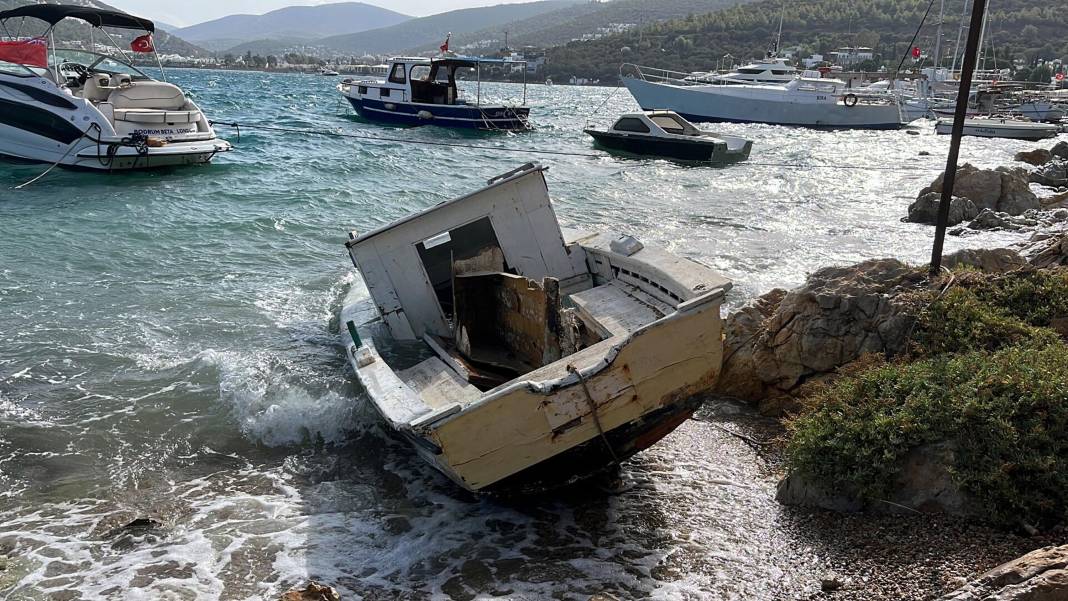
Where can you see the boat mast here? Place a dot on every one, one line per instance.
(778, 40)
(960, 34)
(982, 39)
(938, 36)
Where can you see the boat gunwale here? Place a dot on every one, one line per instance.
(443, 415)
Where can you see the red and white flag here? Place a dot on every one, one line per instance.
(143, 44)
(445, 46)
(32, 53)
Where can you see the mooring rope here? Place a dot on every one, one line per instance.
(588, 155)
(593, 412)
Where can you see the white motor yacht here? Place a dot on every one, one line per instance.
(94, 111)
(807, 101)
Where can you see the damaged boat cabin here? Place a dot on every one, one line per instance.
(542, 359)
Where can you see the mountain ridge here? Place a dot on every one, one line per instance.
(293, 22)
(431, 30)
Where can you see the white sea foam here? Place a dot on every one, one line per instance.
(274, 411)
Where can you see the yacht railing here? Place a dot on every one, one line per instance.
(655, 75)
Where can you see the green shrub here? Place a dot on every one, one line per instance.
(1006, 412)
(963, 321)
(984, 312)
(1034, 297)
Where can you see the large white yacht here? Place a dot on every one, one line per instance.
(86, 110)
(807, 100)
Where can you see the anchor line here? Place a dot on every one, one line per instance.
(588, 155)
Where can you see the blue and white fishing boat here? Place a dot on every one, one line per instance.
(423, 91)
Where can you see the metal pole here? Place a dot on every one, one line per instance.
(971, 52)
(478, 76)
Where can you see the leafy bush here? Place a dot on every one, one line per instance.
(1005, 412)
(985, 374)
(963, 320)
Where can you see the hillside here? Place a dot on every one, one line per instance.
(294, 22)
(1023, 29)
(431, 31)
(74, 31)
(573, 22)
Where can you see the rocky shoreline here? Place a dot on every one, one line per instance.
(924, 540)
(786, 346)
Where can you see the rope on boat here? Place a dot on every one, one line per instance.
(588, 155)
(138, 142)
(72, 146)
(600, 106)
(593, 412)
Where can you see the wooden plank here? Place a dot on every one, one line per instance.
(615, 310)
(438, 385)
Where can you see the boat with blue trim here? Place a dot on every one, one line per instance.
(423, 91)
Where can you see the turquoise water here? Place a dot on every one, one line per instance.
(169, 348)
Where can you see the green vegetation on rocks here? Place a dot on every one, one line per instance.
(985, 375)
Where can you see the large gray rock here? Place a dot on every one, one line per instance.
(923, 484)
(1004, 190)
(783, 340)
(1040, 575)
(1036, 157)
(925, 209)
(993, 220)
(1047, 252)
(986, 260)
(1053, 174)
(1060, 150)
(1016, 195)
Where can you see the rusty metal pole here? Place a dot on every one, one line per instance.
(971, 55)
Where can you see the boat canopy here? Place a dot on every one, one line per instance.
(472, 61)
(54, 13)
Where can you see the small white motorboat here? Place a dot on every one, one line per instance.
(516, 358)
(993, 127)
(328, 72)
(666, 134)
(86, 110)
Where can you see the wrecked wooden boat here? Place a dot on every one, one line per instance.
(540, 358)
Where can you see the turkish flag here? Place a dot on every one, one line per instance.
(916, 53)
(143, 44)
(445, 47)
(33, 52)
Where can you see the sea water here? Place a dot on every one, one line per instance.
(169, 349)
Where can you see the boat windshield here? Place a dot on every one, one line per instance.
(71, 60)
(16, 69)
(669, 124)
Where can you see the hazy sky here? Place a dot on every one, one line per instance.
(183, 13)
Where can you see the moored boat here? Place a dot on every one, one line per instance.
(543, 358)
(94, 111)
(803, 101)
(666, 134)
(421, 91)
(1000, 128)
